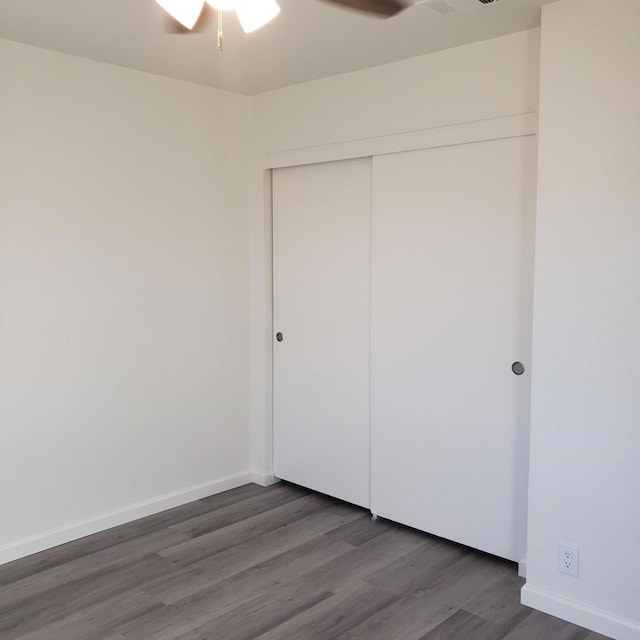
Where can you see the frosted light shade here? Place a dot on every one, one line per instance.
(222, 5)
(254, 14)
(186, 12)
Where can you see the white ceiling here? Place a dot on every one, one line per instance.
(308, 40)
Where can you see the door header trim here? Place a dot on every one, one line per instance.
(464, 133)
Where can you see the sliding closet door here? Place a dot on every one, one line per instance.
(321, 255)
(451, 305)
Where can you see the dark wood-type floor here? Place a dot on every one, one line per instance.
(280, 563)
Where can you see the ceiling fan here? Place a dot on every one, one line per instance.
(193, 15)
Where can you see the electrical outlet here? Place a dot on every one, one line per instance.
(568, 557)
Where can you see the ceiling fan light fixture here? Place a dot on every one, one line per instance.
(254, 14)
(186, 12)
(222, 5)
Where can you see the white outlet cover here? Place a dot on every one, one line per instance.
(568, 559)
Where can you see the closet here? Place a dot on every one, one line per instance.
(402, 298)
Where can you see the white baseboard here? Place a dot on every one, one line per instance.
(264, 479)
(522, 568)
(82, 528)
(580, 614)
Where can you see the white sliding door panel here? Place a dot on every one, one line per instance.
(321, 249)
(452, 241)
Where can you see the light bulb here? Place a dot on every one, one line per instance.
(186, 12)
(222, 5)
(254, 14)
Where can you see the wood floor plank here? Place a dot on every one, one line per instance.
(74, 627)
(218, 567)
(96, 621)
(539, 626)
(241, 587)
(39, 562)
(361, 530)
(42, 609)
(122, 554)
(463, 624)
(258, 616)
(334, 616)
(500, 602)
(409, 572)
(409, 618)
(243, 622)
(121, 608)
(436, 595)
(363, 560)
(237, 511)
(13, 571)
(273, 573)
(456, 580)
(195, 549)
(220, 500)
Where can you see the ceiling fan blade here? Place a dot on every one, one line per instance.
(173, 26)
(204, 22)
(186, 12)
(385, 8)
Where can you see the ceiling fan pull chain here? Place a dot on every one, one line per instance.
(220, 34)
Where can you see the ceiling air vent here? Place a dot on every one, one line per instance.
(453, 6)
(438, 5)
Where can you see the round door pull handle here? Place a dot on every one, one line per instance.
(279, 337)
(517, 368)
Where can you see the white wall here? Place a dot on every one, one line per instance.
(476, 82)
(585, 446)
(124, 308)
